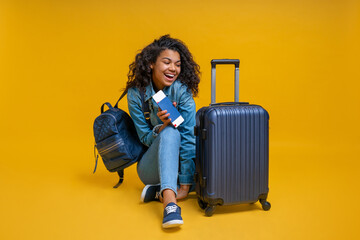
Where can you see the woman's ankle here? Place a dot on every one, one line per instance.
(183, 192)
(168, 196)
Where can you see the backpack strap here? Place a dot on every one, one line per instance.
(96, 158)
(121, 178)
(145, 109)
(107, 104)
(144, 104)
(121, 97)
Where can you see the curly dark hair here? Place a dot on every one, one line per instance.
(140, 72)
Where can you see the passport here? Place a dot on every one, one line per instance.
(165, 104)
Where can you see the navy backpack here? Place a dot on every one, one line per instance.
(116, 139)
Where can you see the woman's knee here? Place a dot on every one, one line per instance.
(170, 134)
(148, 174)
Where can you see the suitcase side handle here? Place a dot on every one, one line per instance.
(214, 62)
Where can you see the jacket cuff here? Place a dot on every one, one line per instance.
(155, 130)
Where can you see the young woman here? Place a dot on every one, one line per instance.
(167, 167)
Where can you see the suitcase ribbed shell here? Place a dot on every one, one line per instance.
(233, 153)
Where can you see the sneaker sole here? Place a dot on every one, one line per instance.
(173, 223)
(142, 197)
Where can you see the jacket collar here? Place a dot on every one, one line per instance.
(149, 91)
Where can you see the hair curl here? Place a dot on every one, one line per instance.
(140, 73)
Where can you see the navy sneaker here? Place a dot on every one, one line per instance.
(172, 216)
(150, 193)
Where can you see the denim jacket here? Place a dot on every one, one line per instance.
(179, 93)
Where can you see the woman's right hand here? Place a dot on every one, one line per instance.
(164, 117)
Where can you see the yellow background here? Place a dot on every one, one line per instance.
(60, 60)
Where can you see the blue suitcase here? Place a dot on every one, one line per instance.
(232, 150)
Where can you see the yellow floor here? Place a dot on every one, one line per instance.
(60, 60)
(312, 192)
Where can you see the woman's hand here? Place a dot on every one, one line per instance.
(164, 117)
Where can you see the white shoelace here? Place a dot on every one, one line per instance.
(170, 209)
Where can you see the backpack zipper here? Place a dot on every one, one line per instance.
(108, 149)
(110, 115)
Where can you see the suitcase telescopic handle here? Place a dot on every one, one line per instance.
(214, 62)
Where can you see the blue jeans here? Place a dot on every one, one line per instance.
(160, 163)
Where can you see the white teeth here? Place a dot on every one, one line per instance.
(169, 75)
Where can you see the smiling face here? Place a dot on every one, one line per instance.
(166, 69)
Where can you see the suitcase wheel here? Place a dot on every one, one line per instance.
(202, 204)
(265, 205)
(209, 211)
